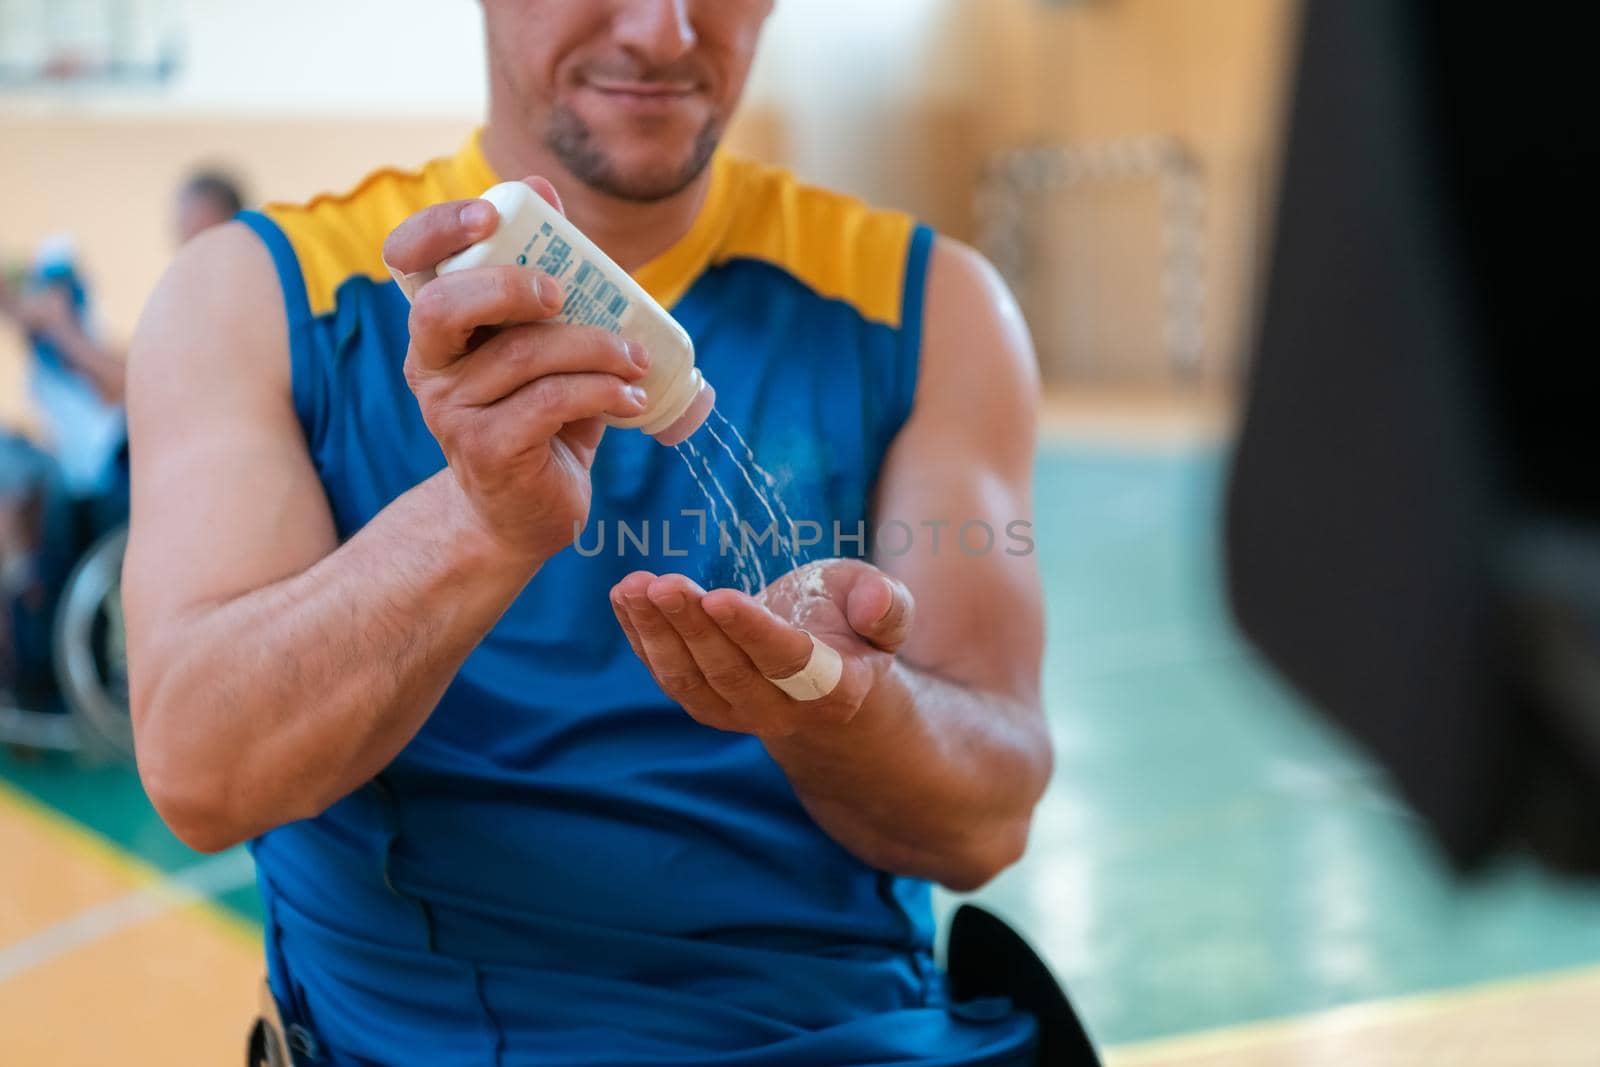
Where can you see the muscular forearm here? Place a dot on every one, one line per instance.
(272, 705)
(930, 779)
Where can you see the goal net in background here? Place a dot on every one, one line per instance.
(1136, 261)
(1104, 247)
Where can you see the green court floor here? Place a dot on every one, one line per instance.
(1209, 853)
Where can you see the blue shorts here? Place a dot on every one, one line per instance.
(348, 1002)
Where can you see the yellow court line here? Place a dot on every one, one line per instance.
(1331, 1021)
(97, 849)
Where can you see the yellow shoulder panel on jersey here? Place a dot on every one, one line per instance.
(339, 237)
(836, 245)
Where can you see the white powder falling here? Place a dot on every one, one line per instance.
(692, 459)
(784, 539)
(788, 530)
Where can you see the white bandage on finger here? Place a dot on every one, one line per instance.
(410, 283)
(819, 677)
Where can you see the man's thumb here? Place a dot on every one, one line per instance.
(880, 610)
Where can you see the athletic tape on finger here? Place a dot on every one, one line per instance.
(410, 283)
(819, 677)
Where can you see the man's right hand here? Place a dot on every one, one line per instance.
(228, 579)
(514, 400)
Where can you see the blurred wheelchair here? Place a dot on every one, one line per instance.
(90, 665)
(63, 659)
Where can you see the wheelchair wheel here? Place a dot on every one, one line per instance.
(90, 653)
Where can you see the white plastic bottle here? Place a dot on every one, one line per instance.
(598, 293)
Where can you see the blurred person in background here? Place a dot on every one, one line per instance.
(75, 379)
(58, 496)
(490, 824)
(209, 198)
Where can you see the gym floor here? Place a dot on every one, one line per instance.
(1216, 874)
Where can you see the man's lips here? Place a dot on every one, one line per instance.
(649, 90)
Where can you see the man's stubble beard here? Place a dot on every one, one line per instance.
(572, 142)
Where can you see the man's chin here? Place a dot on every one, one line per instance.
(639, 163)
(651, 178)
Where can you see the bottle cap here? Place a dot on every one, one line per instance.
(692, 418)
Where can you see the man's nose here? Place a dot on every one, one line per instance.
(657, 31)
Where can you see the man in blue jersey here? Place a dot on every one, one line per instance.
(515, 803)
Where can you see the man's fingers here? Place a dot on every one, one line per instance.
(777, 649)
(448, 311)
(516, 356)
(537, 411)
(634, 583)
(880, 609)
(583, 438)
(665, 653)
(726, 667)
(435, 233)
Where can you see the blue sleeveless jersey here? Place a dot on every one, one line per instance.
(563, 868)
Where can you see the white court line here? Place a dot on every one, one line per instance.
(211, 877)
